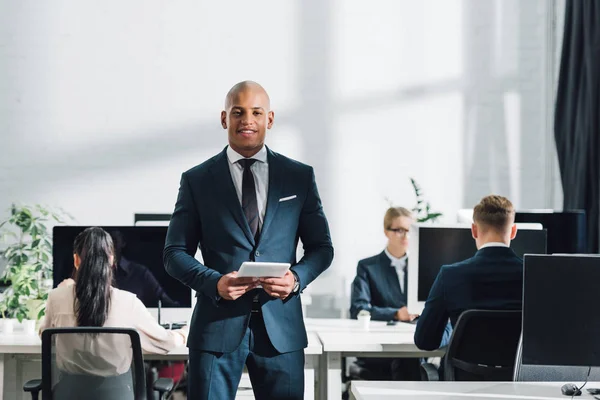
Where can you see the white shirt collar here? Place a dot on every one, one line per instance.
(234, 156)
(494, 244)
(395, 260)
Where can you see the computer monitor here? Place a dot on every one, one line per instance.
(566, 229)
(140, 270)
(431, 246)
(560, 323)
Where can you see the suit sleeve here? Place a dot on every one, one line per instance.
(360, 298)
(432, 323)
(183, 236)
(313, 230)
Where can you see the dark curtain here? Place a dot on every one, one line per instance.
(577, 118)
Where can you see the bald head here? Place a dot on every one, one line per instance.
(247, 116)
(243, 87)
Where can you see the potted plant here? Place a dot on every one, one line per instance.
(26, 239)
(422, 209)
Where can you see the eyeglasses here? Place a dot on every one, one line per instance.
(399, 231)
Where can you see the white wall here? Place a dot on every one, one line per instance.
(104, 104)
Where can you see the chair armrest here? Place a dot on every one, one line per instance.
(33, 386)
(429, 372)
(163, 385)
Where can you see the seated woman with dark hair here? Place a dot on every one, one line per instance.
(91, 300)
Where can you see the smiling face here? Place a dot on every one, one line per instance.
(247, 116)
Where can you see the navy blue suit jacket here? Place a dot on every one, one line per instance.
(208, 213)
(490, 280)
(376, 289)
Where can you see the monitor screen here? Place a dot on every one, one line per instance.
(439, 246)
(566, 229)
(560, 296)
(140, 267)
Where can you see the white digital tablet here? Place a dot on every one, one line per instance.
(263, 269)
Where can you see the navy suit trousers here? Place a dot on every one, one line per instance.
(273, 375)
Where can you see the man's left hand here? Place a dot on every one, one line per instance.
(280, 288)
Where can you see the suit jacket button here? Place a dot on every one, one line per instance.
(257, 254)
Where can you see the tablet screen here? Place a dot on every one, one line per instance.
(263, 269)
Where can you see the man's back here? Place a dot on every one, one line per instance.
(490, 280)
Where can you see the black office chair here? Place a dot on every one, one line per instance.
(552, 373)
(483, 347)
(77, 365)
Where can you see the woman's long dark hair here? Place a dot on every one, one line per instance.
(93, 278)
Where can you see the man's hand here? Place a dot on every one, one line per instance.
(230, 287)
(279, 288)
(403, 315)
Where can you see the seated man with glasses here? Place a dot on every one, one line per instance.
(380, 288)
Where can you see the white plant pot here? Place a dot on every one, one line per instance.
(8, 325)
(29, 326)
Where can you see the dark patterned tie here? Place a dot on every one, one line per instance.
(249, 202)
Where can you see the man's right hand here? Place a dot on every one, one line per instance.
(230, 287)
(403, 315)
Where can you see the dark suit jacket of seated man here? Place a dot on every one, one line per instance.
(264, 332)
(491, 280)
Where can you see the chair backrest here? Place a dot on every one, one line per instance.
(483, 346)
(551, 373)
(92, 363)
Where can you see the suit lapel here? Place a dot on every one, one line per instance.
(226, 192)
(276, 174)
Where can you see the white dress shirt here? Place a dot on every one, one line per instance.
(260, 171)
(494, 244)
(400, 265)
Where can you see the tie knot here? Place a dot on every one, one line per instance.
(247, 162)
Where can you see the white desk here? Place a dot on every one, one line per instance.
(22, 347)
(328, 341)
(346, 338)
(373, 390)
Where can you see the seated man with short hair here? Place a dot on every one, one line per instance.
(490, 280)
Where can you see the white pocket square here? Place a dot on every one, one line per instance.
(287, 198)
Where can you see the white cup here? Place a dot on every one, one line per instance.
(364, 321)
(29, 326)
(7, 326)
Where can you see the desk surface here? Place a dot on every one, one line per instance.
(335, 335)
(373, 390)
(352, 325)
(348, 336)
(19, 343)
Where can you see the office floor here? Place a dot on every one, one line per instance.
(244, 391)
